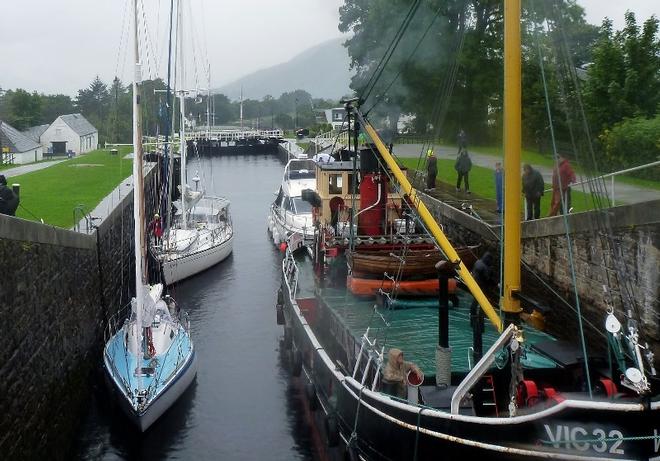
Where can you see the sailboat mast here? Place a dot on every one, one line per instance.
(512, 146)
(138, 196)
(182, 128)
(241, 115)
(182, 138)
(208, 107)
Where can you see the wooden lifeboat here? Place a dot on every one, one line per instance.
(371, 287)
(418, 263)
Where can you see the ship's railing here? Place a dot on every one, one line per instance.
(290, 272)
(330, 138)
(116, 321)
(368, 349)
(612, 176)
(124, 314)
(233, 135)
(216, 135)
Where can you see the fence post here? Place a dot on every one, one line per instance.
(612, 190)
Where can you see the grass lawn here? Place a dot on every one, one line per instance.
(535, 159)
(303, 145)
(51, 194)
(482, 183)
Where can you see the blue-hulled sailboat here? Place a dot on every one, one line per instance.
(149, 359)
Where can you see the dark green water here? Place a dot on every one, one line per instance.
(242, 405)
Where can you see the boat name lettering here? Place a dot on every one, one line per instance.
(579, 438)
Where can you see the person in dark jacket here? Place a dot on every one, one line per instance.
(8, 199)
(431, 169)
(484, 275)
(482, 271)
(532, 186)
(463, 166)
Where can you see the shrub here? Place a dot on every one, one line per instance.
(633, 142)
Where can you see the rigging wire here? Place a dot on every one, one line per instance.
(383, 94)
(445, 91)
(600, 217)
(384, 60)
(422, 226)
(143, 38)
(205, 48)
(193, 43)
(569, 241)
(121, 47)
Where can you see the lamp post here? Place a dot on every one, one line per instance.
(296, 112)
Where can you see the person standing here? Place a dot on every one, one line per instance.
(156, 228)
(431, 169)
(532, 186)
(562, 178)
(499, 186)
(463, 166)
(396, 371)
(484, 275)
(8, 199)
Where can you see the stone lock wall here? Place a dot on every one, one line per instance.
(49, 312)
(624, 256)
(58, 289)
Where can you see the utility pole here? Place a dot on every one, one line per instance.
(241, 107)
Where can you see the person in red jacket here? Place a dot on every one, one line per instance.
(156, 228)
(562, 177)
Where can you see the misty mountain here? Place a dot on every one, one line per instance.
(323, 71)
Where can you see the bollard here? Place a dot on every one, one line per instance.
(17, 190)
(446, 270)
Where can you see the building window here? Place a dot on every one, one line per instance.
(335, 183)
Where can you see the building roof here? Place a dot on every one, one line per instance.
(79, 124)
(15, 140)
(35, 132)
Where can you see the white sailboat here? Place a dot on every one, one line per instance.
(201, 234)
(149, 359)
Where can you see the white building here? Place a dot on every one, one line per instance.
(337, 118)
(17, 148)
(70, 133)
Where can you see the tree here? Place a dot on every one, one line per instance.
(224, 111)
(283, 121)
(54, 105)
(452, 77)
(624, 78)
(23, 108)
(118, 126)
(94, 102)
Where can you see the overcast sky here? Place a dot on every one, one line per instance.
(60, 45)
